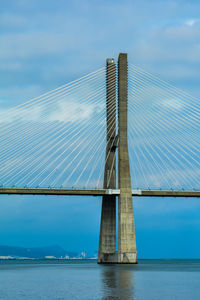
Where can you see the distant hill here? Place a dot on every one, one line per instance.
(19, 252)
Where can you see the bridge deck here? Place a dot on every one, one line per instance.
(98, 192)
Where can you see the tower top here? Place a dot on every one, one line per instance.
(110, 60)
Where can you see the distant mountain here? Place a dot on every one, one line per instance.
(42, 252)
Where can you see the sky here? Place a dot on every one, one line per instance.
(45, 44)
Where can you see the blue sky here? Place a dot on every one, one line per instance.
(45, 44)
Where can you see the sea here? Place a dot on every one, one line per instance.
(86, 280)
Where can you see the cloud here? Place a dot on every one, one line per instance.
(174, 177)
(172, 103)
(191, 22)
(67, 111)
(51, 48)
(72, 111)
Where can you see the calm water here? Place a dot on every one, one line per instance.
(147, 280)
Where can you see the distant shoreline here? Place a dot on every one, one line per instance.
(38, 261)
(89, 260)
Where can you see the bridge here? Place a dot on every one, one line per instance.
(117, 132)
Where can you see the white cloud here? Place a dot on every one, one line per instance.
(73, 111)
(57, 47)
(172, 103)
(68, 110)
(191, 22)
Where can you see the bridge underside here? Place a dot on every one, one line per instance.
(99, 192)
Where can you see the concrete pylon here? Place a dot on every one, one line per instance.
(107, 241)
(126, 230)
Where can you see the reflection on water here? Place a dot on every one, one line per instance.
(118, 282)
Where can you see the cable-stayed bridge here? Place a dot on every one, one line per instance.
(67, 142)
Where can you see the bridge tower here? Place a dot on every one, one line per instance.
(126, 230)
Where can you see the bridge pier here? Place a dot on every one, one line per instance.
(126, 230)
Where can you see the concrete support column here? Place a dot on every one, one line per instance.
(107, 241)
(126, 230)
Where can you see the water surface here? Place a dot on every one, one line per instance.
(59, 280)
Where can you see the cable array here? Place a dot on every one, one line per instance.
(164, 134)
(58, 139)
